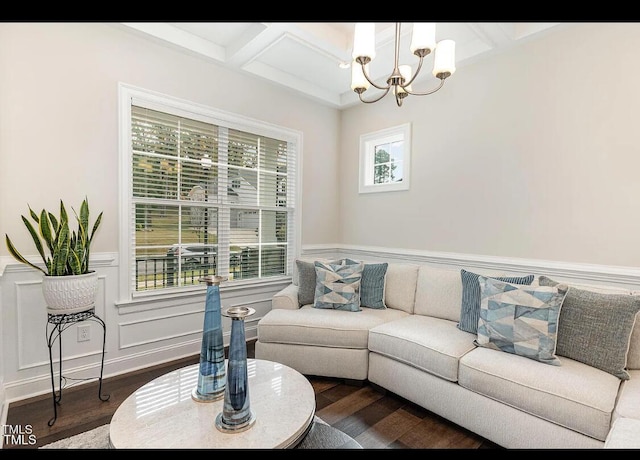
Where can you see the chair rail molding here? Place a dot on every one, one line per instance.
(98, 260)
(628, 277)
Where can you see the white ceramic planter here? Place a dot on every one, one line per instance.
(71, 293)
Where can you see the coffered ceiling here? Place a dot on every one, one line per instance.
(306, 57)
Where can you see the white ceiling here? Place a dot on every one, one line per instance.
(305, 56)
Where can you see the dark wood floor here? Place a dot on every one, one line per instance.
(373, 417)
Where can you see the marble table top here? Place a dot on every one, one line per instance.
(163, 415)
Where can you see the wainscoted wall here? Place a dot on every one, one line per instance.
(138, 334)
(148, 332)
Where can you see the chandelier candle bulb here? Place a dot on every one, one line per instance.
(358, 79)
(444, 62)
(423, 37)
(405, 71)
(364, 41)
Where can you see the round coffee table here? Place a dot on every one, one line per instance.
(163, 415)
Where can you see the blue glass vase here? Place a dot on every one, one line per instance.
(212, 372)
(236, 414)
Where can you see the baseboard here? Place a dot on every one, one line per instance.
(41, 385)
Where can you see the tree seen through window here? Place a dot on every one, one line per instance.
(387, 163)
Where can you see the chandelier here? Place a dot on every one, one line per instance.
(423, 42)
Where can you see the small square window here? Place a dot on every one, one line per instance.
(385, 160)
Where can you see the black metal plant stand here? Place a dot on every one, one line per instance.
(60, 323)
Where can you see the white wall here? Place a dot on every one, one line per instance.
(58, 119)
(533, 153)
(59, 140)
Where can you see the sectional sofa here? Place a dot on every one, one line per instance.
(565, 374)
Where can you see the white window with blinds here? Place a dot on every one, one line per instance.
(204, 193)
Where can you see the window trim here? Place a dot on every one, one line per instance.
(367, 152)
(127, 94)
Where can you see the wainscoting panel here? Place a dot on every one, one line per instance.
(140, 333)
(33, 330)
(261, 306)
(157, 329)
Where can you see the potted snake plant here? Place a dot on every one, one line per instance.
(68, 285)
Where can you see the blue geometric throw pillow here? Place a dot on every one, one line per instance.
(470, 308)
(522, 320)
(338, 285)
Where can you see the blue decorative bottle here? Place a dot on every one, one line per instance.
(236, 414)
(212, 372)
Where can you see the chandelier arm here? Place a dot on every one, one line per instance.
(414, 93)
(366, 75)
(377, 99)
(414, 75)
(398, 99)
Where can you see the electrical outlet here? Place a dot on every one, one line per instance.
(84, 332)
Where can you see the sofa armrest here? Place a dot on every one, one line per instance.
(287, 298)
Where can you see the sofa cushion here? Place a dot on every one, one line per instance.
(574, 395)
(595, 328)
(522, 320)
(628, 404)
(433, 345)
(624, 434)
(470, 305)
(400, 288)
(439, 293)
(342, 363)
(338, 285)
(373, 284)
(323, 328)
(633, 358)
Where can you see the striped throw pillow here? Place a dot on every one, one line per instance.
(372, 286)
